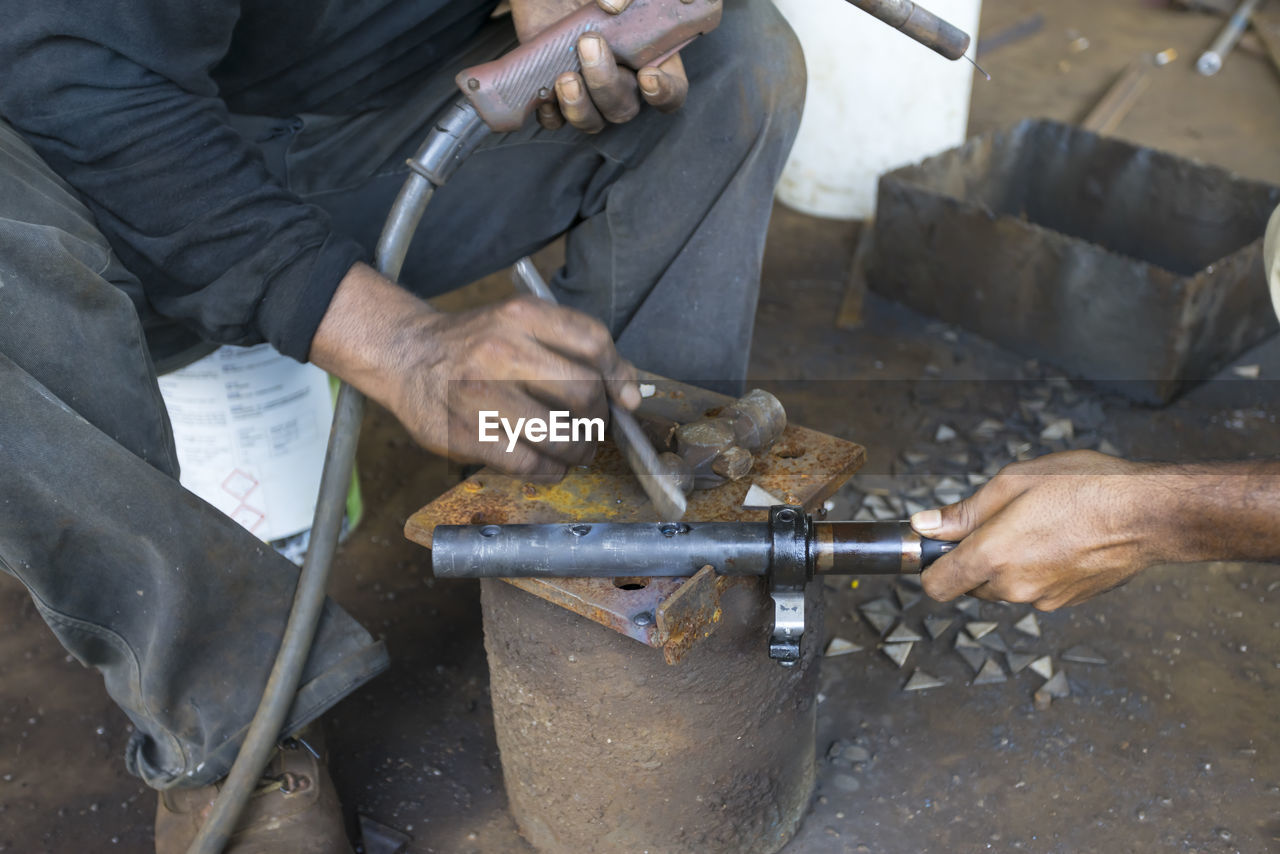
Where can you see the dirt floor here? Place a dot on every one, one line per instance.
(1172, 745)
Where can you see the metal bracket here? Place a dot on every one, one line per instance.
(789, 528)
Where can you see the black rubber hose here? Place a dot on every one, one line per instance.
(313, 582)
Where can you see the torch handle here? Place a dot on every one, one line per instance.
(506, 91)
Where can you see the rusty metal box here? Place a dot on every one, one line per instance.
(1131, 268)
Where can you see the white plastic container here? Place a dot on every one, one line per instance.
(251, 427)
(876, 101)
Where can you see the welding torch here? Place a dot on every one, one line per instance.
(789, 550)
(918, 23)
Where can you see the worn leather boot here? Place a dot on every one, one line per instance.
(294, 809)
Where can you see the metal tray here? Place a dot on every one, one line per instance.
(1131, 268)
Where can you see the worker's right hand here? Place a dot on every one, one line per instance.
(437, 371)
(603, 92)
(523, 358)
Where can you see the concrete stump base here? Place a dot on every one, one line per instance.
(606, 748)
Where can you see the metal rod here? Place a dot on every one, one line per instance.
(920, 24)
(673, 550)
(661, 484)
(599, 550)
(1210, 62)
(1119, 100)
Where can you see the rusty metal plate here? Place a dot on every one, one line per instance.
(804, 467)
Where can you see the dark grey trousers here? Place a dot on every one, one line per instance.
(178, 607)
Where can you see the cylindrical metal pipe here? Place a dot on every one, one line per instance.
(672, 549)
(1210, 62)
(872, 548)
(920, 24)
(600, 550)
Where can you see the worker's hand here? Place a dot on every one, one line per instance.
(603, 92)
(437, 371)
(523, 358)
(1053, 531)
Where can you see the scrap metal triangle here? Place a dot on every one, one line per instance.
(990, 674)
(759, 497)
(880, 622)
(898, 652)
(969, 606)
(1018, 661)
(1058, 687)
(1028, 625)
(903, 634)
(994, 641)
(977, 630)
(883, 605)
(1083, 655)
(963, 641)
(975, 658)
(906, 596)
(380, 839)
(921, 681)
(937, 626)
(840, 646)
(1043, 666)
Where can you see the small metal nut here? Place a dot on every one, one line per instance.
(473, 84)
(643, 619)
(734, 464)
(759, 420)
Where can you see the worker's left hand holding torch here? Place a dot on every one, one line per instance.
(437, 371)
(603, 92)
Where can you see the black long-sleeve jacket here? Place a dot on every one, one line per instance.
(128, 100)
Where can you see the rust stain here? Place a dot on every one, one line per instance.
(692, 612)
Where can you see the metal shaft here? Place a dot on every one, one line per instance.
(620, 550)
(659, 483)
(872, 548)
(920, 24)
(1210, 62)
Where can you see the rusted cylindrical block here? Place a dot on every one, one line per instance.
(606, 748)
